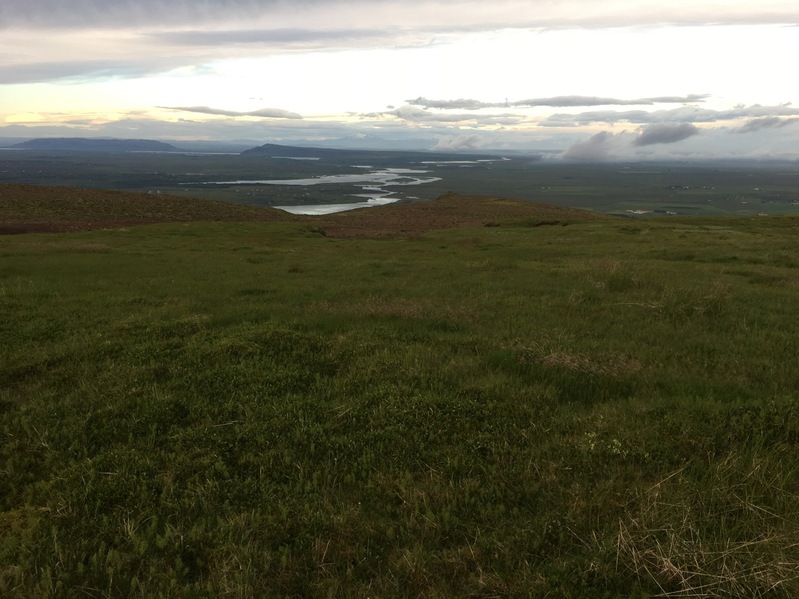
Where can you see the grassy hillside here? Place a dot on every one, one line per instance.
(28, 208)
(38, 208)
(597, 408)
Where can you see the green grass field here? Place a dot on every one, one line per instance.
(604, 409)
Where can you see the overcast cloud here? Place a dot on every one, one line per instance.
(73, 71)
(160, 13)
(683, 114)
(766, 122)
(270, 37)
(593, 79)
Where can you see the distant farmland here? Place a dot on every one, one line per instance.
(625, 190)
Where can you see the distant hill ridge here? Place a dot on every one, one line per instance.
(281, 151)
(288, 151)
(269, 150)
(85, 144)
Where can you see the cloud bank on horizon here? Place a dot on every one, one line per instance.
(590, 79)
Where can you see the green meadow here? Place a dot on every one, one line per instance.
(600, 409)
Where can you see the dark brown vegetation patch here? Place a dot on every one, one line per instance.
(450, 211)
(33, 209)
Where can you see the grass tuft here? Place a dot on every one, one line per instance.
(727, 534)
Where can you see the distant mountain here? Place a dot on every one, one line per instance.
(83, 144)
(203, 146)
(278, 151)
(7, 142)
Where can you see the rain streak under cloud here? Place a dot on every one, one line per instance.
(581, 79)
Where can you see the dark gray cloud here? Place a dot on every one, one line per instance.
(540, 13)
(665, 133)
(684, 114)
(286, 36)
(766, 122)
(107, 13)
(605, 145)
(556, 101)
(79, 70)
(264, 113)
(462, 104)
(565, 101)
(151, 58)
(678, 99)
(412, 113)
(596, 148)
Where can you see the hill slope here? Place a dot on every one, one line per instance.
(31, 208)
(450, 211)
(34, 208)
(606, 409)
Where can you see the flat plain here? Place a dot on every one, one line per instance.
(641, 189)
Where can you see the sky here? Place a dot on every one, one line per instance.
(578, 79)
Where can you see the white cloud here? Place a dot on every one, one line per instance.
(265, 113)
